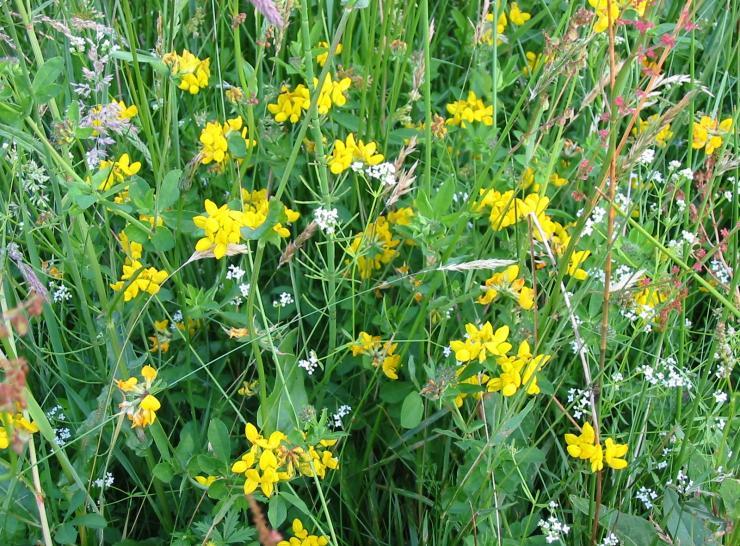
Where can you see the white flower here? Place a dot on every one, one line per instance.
(646, 496)
(244, 289)
(285, 300)
(327, 219)
(647, 157)
(339, 415)
(104, 482)
(310, 364)
(235, 273)
(610, 540)
(720, 397)
(60, 293)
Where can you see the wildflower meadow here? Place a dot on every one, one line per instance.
(369, 272)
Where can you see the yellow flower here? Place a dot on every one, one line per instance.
(205, 481)
(21, 428)
(221, 226)
(389, 361)
(662, 137)
(344, 154)
(505, 209)
(290, 104)
(708, 133)
(126, 112)
(605, 12)
(533, 61)
(584, 447)
(119, 171)
(517, 371)
(332, 93)
(507, 282)
(501, 24)
(383, 354)
(471, 110)
(322, 57)
(214, 146)
(139, 405)
(557, 181)
(481, 342)
(517, 16)
(575, 262)
(365, 344)
(192, 72)
(302, 538)
(136, 279)
(151, 220)
(614, 453)
(374, 247)
(401, 217)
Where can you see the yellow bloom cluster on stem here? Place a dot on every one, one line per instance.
(321, 58)
(139, 404)
(192, 72)
(709, 133)
(120, 170)
(584, 446)
(272, 460)
(136, 278)
(382, 353)
(662, 137)
(291, 103)
(15, 429)
(470, 110)
(507, 282)
(222, 225)
(214, 140)
(351, 151)
(302, 538)
(516, 371)
(374, 247)
(505, 209)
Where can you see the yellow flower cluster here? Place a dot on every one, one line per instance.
(374, 247)
(345, 154)
(663, 136)
(139, 404)
(135, 277)
(214, 139)
(192, 72)
(470, 110)
(222, 226)
(15, 426)
(291, 103)
(507, 282)
(272, 460)
(709, 133)
(585, 447)
(120, 170)
(506, 210)
(609, 10)
(302, 538)
(515, 371)
(162, 337)
(322, 57)
(382, 353)
(516, 16)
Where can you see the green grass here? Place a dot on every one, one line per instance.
(413, 466)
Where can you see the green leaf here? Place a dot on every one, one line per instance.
(164, 472)
(163, 240)
(141, 194)
(685, 528)
(631, 530)
(277, 511)
(45, 84)
(218, 437)
(729, 490)
(82, 196)
(66, 534)
(93, 521)
(169, 192)
(237, 145)
(412, 410)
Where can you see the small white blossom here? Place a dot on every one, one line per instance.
(310, 364)
(102, 483)
(235, 273)
(285, 300)
(327, 219)
(339, 415)
(646, 496)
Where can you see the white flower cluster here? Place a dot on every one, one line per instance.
(721, 271)
(597, 215)
(285, 300)
(647, 157)
(104, 482)
(59, 292)
(553, 529)
(385, 172)
(581, 402)
(235, 273)
(610, 540)
(683, 484)
(666, 374)
(327, 219)
(310, 364)
(646, 496)
(339, 415)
